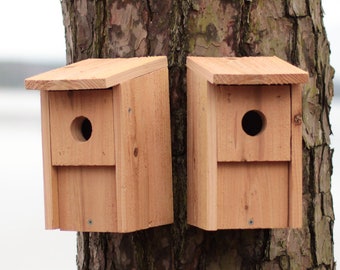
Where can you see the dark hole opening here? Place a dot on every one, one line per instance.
(253, 122)
(86, 129)
(81, 128)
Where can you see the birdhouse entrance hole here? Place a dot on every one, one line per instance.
(253, 122)
(81, 129)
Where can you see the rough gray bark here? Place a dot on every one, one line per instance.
(292, 30)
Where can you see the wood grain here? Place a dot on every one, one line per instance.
(253, 195)
(136, 193)
(87, 198)
(95, 73)
(247, 70)
(237, 179)
(50, 172)
(66, 148)
(295, 167)
(202, 158)
(143, 154)
(114, 173)
(273, 142)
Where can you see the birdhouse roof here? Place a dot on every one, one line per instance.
(95, 73)
(247, 70)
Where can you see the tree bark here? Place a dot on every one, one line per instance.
(292, 30)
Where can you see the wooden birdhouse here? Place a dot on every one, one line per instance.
(106, 144)
(244, 143)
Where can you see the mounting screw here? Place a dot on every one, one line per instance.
(251, 221)
(90, 222)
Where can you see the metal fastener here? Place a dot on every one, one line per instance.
(251, 222)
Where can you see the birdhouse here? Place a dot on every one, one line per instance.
(106, 144)
(244, 143)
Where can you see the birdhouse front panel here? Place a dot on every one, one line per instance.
(87, 198)
(253, 122)
(253, 196)
(106, 145)
(82, 127)
(244, 143)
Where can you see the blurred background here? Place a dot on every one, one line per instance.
(32, 41)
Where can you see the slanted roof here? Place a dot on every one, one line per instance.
(247, 70)
(95, 73)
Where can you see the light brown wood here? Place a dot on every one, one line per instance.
(193, 200)
(246, 70)
(141, 183)
(87, 198)
(95, 73)
(66, 147)
(50, 172)
(295, 168)
(143, 157)
(107, 148)
(239, 178)
(253, 195)
(202, 159)
(273, 142)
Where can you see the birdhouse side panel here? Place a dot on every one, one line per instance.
(193, 197)
(49, 171)
(295, 166)
(143, 157)
(82, 127)
(202, 155)
(159, 149)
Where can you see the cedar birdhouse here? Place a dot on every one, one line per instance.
(106, 144)
(244, 143)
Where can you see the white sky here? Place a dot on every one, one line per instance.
(32, 30)
(332, 23)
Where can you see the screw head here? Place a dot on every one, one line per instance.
(251, 221)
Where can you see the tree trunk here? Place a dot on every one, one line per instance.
(292, 30)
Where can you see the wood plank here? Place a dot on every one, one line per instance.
(87, 199)
(143, 155)
(211, 177)
(50, 172)
(273, 142)
(253, 195)
(202, 158)
(159, 149)
(95, 73)
(68, 148)
(295, 168)
(193, 203)
(246, 70)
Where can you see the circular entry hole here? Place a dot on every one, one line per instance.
(253, 122)
(81, 129)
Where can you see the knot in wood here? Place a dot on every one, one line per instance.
(135, 151)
